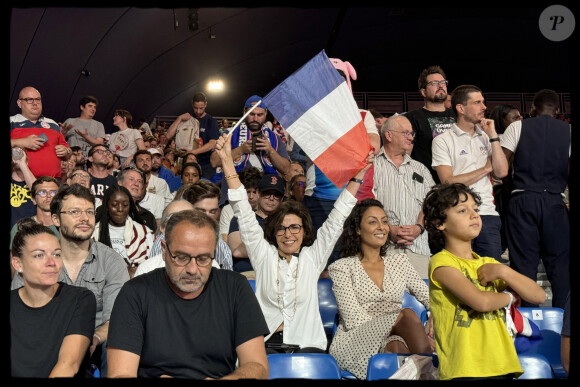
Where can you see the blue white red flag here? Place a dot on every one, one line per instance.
(317, 109)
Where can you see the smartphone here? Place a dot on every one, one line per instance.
(254, 141)
(43, 137)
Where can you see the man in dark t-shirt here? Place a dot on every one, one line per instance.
(433, 118)
(188, 320)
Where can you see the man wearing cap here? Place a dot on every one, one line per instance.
(271, 189)
(157, 169)
(197, 133)
(255, 144)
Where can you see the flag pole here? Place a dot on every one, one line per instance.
(244, 117)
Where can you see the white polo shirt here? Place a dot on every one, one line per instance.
(466, 153)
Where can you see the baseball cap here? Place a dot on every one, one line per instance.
(272, 182)
(154, 151)
(253, 100)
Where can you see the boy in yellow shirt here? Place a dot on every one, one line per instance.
(468, 293)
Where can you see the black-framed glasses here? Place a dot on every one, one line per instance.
(76, 212)
(437, 83)
(43, 192)
(184, 259)
(294, 229)
(272, 195)
(80, 176)
(31, 100)
(102, 151)
(405, 134)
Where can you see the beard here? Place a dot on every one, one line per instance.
(439, 97)
(70, 233)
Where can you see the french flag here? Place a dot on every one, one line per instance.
(317, 109)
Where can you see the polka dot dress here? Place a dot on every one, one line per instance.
(367, 314)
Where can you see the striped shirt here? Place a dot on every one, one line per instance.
(401, 193)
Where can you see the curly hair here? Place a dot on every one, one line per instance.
(350, 240)
(275, 219)
(437, 201)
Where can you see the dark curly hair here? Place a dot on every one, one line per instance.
(275, 219)
(350, 241)
(437, 201)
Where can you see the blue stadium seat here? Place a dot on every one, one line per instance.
(535, 366)
(411, 302)
(327, 305)
(252, 284)
(549, 320)
(303, 366)
(382, 366)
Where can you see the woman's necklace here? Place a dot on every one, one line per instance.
(279, 294)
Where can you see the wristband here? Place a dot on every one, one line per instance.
(494, 139)
(230, 177)
(356, 180)
(98, 338)
(421, 228)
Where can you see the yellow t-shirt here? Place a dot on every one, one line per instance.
(469, 343)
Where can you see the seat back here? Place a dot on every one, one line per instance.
(409, 301)
(327, 304)
(252, 284)
(382, 366)
(303, 366)
(549, 320)
(535, 366)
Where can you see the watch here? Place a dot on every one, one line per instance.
(494, 139)
(356, 180)
(421, 228)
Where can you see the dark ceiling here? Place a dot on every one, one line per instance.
(147, 60)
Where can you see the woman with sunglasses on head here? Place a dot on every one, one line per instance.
(297, 187)
(51, 323)
(288, 258)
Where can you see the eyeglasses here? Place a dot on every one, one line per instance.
(80, 176)
(294, 229)
(75, 212)
(272, 195)
(101, 151)
(31, 100)
(405, 134)
(43, 192)
(184, 259)
(437, 83)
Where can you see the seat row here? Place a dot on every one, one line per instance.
(548, 319)
(381, 366)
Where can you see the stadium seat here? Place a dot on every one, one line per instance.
(411, 302)
(549, 320)
(303, 366)
(535, 366)
(252, 284)
(327, 305)
(382, 366)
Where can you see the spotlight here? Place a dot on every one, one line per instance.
(86, 73)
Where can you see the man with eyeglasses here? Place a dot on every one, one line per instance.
(86, 262)
(187, 319)
(84, 131)
(271, 189)
(43, 190)
(433, 118)
(82, 177)
(98, 167)
(401, 184)
(470, 153)
(40, 136)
